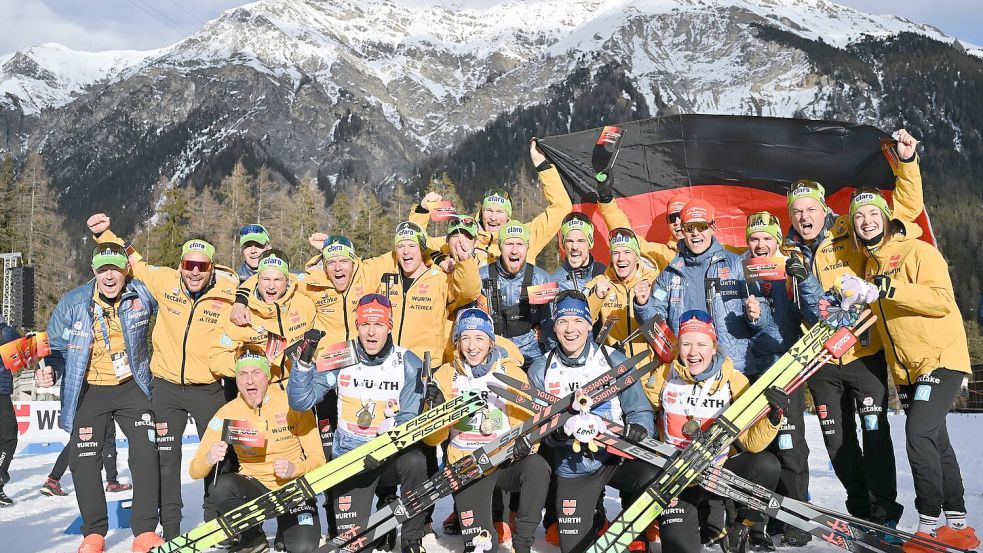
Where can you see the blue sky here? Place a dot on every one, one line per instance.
(145, 24)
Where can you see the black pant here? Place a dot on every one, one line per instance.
(679, 525)
(938, 481)
(353, 497)
(531, 475)
(172, 404)
(8, 437)
(869, 475)
(108, 454)
(326, 413)
(792, 450)
(300, 528)
(97, 407)
(576, 499)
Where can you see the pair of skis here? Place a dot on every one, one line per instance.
(301, 490)
(480, 462)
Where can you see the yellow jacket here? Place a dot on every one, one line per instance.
(619, 303)
(838, 253)
(542, 228)
(754, 439)
(444, 377)
(420, 316)
(336, 310)
(659, 254)
(919, 322)
(291, 435)
(290, 316)
(180, 335)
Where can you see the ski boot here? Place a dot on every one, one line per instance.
(52, 488)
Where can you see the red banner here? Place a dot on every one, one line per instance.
(337, 356)
(764, 268)
(243, 433)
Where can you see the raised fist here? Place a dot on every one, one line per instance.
(98, 223)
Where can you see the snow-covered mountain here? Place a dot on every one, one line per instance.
(360, 90)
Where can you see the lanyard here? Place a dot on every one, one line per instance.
(704, 392)
(103, 325)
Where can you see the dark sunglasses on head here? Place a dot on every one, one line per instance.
(575, 294)
(252, 229)
(190, 266)
(499, 192)
(337, 239)
(697, 314)
(575, 216)
(621, 233)
(369, 298)
(696, 226)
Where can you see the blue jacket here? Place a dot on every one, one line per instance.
(70, 336)
(245, 271)
(7, 334)
(564, 274)
(306, 388)
(772, 341)
(682, 287)
(635, 408)
(510, 288)
(808, 249)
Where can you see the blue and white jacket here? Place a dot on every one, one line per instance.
(70, 337)
(306, 387)
(510, 289)
(560, 375)
(682, 286)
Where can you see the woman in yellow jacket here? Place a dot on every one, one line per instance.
(285, 446)
(278, 311)
(689, 396)
(925, 344)
(476, 361)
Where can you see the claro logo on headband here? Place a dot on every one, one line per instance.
(514, 229)
(495, 199)
(803, 191)
(864, 198)
(197, 246)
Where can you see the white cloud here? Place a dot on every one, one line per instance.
(33, 22)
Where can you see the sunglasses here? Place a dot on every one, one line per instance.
(474, 312)
(697, 314)
(408, 225)
(621, 233)
(252, 229)
(369, 298)
(762, 218)
(190, 266)
(575, 294)
(673, 217)
(465, 224)
(337, 239)
(696, 226)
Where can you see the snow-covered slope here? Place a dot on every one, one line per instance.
(51, 75)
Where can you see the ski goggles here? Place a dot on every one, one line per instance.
(696, 226)
(467, 225)
(109, 254)
(763, 221)
(697, 314)
(374, 308)
(570, 303)
(805, 188)
(253, 233)
(202, 266)
(381, 299)
(337, 245)
(696, 320)
(408, 230)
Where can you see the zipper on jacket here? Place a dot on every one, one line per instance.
(279, 321)
(184, 343)
(880, 307)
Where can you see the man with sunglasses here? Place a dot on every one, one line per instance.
(384, 388)
(707, 277)
(581, 475)
(496, 212)
(506, 282)
(857, 382)
(613, 294)
(253, 241)
(98, 339)
(794, 301)
(578, 267)
(194, 299)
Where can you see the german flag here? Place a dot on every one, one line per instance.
(739, 164)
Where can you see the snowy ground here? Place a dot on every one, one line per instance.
(37, 523)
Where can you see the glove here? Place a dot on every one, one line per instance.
(371, 463)
(635, 433)
(306, 350)
(778, 401)
(883, 285)
(604, 193)
(559, 435)
(522, 449)
(432, 396)
(795, 267)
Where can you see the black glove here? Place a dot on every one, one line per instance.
(795, 267)
(308, 345)
(604, 193)
(432, 396)
(635, 433)
(778, 401)
(559, 435)
(522, 449)
(884, 287)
